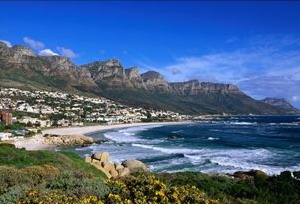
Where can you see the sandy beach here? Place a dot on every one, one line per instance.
(36, 142)
(90, 129)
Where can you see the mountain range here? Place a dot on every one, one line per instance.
(20, 67)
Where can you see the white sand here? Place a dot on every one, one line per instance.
(33, 143)
(36, 142)
(90, 129)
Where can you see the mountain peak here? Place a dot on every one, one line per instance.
(280, 103)
(22, 50)
(150, 75)
(3, 45)
(132, 73)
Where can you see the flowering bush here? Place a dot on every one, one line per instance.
(148, 189)
(142, 189)
(39, 196)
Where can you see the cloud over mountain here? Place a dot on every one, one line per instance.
(67, 52)
(34, 44)
(47, 52)
(6, 42)
(265, 66)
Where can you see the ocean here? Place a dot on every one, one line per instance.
(216, 145)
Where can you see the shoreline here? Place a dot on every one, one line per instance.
(84, 130)
(36, 142)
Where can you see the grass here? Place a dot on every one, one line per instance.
(20, 158)
(22, 171)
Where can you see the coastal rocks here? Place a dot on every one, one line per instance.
(124, 172)
(101, 156)
(135, 165)
(68, 140)
(253, 174)
(113, 170)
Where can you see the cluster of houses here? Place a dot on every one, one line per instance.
(52, 108)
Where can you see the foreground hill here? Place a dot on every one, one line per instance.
(32, 177)
(21, 68)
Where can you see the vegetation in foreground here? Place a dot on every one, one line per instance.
(30, 177)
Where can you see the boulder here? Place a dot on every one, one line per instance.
(113, 173)
(242, 175)
(88, 159)
(118, 166)
(97, 164)
(135, 165)
(253, 174)
(258, 174)
(124, 172)
(108, 167)
(101, 156)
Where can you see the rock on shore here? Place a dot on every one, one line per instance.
(68, 140)
(258, 174)
(113, 170)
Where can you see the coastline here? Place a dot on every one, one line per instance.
(97, 128)
(36, 142)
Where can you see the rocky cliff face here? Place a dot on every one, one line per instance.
(154, 81)
(195, 87)
(16, 54)
(21, 60)
(20, 67)
(133, 75)
(108, 72)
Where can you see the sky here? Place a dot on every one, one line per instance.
(253, 44)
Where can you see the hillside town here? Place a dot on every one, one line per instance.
(44, 109)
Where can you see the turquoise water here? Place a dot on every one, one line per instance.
(221, 145)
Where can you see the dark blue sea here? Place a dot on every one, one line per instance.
(216, 145)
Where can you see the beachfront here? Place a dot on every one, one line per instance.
(37, 143)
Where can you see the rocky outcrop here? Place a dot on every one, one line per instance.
(68, 140)
(135, 165)
(114, 170)
(155, 81)
(134, 78)
(133, 73)
(253, 174)
(16, 54)
(195, 87)
(103, 69)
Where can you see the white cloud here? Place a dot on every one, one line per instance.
(6, 42)
(37, 45)
(47, 52)
(67, 52)
(266, 66)
(296, 98)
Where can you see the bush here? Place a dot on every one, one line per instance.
(37, 196)
(281, 189)
(30, 176)
(78, 185)
(146, 188)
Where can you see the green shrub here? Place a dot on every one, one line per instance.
(79, 186)
(29, 176)
(281, 189)
(145, 188)
(13, 194)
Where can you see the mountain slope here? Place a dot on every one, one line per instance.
(20, 67)
(282, 104)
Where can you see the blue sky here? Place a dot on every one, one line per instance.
(255, 45)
